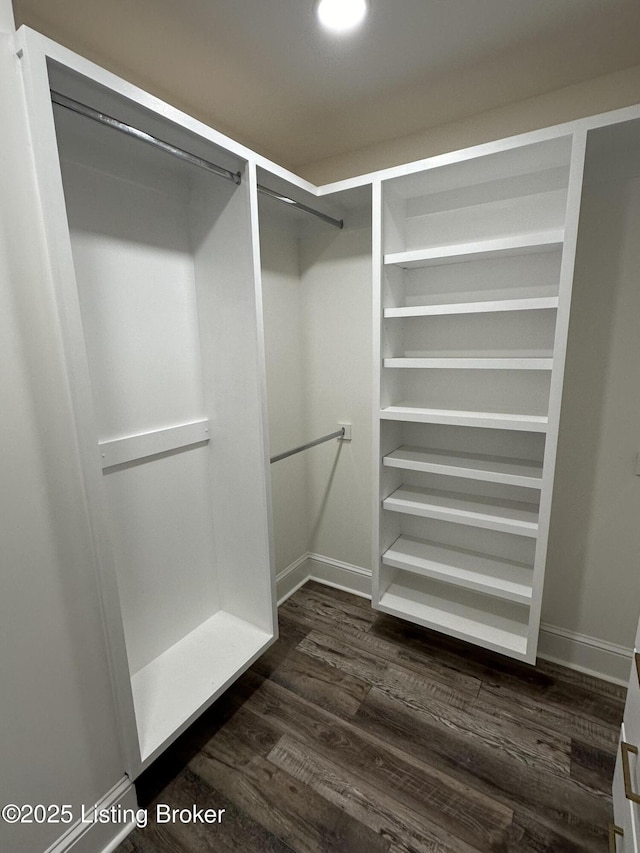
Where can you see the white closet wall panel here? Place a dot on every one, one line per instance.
(164, 550)
(137, 295)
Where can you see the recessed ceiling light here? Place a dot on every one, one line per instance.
(341, 15)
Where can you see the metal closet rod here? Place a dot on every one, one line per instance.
(337, 223)
(102, 118)
(116, 124)
(338, 434)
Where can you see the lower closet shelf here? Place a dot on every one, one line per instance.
(461, 567)
(495, 624)
(170, 691)
(506, 516)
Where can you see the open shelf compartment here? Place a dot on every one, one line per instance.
(490, 468)
(492, 513)
(171, 690)
(490, 622)
(169, 408)
(462, 567)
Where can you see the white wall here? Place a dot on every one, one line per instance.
(593, 579)
(286, 383)
(58, 741)
(7, 24)
(336, 283)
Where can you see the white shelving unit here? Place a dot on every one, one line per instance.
(476, 261)
(155, 266)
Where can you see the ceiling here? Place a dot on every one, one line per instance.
(263, 72)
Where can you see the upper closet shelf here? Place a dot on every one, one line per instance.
(487, 307)
(546, 241)
(458, 417)
(471, 363)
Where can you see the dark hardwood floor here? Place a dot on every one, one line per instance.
(361, 732)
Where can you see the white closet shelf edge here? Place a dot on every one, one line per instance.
(546, 241)
(464, 363)
(462, 567)
(458, 417)
(493, 306)
(484, 467)
(490, 630)
(505, 516)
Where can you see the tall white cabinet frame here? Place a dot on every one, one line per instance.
(155, 278)
(473, 269)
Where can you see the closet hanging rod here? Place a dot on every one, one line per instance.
(129, 130)
(337, 223)
(338, 434)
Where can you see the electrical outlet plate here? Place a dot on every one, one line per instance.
(347, 432)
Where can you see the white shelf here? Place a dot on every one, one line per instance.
(458, 417)
(488, 622)
(471, 362)
(473, 466)
(546, 241)
(461, 567)
(174, 688)
(506, 516)
(489, 306)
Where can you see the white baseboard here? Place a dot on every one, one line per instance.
(292, 578)
(577, 651)
(585, 654)
(315, 567)
(95, 837)
(340, 575)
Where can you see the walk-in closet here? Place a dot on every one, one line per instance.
(321, 476)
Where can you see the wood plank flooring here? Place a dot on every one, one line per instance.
(359, 732)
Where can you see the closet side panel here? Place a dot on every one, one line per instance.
(222, 245)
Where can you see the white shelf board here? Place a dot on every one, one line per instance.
(488, 627)
(472, 362)
(506, 516)
(459, 417)
(545, 241)
(489, 306)
(461, 567)
(473, 466)
(174, 688)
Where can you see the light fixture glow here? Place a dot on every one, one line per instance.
(341, 15)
